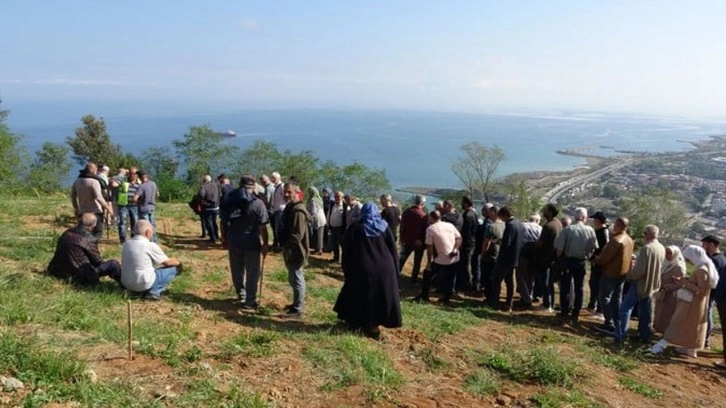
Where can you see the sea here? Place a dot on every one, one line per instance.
(415, 148)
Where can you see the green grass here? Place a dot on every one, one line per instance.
(349, 360)
(561, 398)
(256, 343)
(482, 382)
(541, 365)
(640, 388)
(615, 361)
(433, 321)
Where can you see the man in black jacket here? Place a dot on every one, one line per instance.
(209, 193)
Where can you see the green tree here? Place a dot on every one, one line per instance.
(477, 166)
(12, 153)
(93, 143)
(262, 157)
(657, 207)
(355, 178)
(159, 162)
(50, 167)
(304, 166)
(522, 202)
(201, 152)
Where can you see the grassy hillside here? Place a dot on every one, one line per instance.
(195, 348)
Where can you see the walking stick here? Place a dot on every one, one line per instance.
(262, 273)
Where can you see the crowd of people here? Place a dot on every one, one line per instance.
(465, 253)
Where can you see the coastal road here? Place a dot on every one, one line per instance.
(563, 187)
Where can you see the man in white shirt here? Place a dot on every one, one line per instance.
(336, 222)
(144, 266)
(442, 250)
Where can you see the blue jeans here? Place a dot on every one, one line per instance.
(611, 298)
(574, 271)
(149, 216)
(644, 311)
(164, 276)
(132, 213)
(297, 282)
(209, 219)
(245, 267)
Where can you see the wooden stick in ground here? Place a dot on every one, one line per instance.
(131, 324)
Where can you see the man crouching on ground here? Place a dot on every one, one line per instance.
(77, 257)
(144, 266)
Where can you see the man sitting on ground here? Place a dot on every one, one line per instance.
(77, 257)
(145, 267)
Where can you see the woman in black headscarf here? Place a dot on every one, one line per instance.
(369, 297)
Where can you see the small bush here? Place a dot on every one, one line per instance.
(482, 382)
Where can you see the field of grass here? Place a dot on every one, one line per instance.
(195, 348)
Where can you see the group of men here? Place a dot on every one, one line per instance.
(145, 269)
(127, 197)
(463, 253)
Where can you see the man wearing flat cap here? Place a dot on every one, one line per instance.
(245, 217)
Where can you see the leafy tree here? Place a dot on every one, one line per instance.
(522, 202)
(201, 152)
(50, 167)
(11, 152)
(302, 165)
(93, 143)
(262, 157)
(159, 162)
(477, 166)
(356, 178)
(657, 207)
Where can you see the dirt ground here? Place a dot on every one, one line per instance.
(286, 379)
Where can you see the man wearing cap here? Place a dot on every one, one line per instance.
(602, 234)
(576, 244)
(245, 217)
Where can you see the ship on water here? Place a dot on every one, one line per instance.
(228, 133)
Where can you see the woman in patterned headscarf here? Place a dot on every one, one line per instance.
(665, 298)
(689, 323)
(369, 298)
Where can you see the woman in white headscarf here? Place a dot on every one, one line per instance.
(665, 298)
(688, 326)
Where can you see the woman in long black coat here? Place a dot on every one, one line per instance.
(369, 297)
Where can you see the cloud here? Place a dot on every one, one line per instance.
(67, 81)
(250, 25)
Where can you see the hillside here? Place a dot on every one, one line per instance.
(195, 348)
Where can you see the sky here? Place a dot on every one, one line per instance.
(664, 57)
